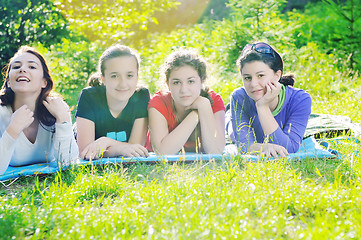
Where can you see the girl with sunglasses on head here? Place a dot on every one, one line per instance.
(111, 118)
(35, 127)
(268, 115)
(188, 117)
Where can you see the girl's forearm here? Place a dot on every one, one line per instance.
(7, 146)
(213, 139)
(175, 140)
(114, 148)
(64, 143)
(267, 120)
(139, 131)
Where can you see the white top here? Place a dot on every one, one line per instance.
(48, 146)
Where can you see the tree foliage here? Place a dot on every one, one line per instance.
(72, 62)
(336, 27)
(349, 40)
(111, 21)
(256, 12)
(26, 22)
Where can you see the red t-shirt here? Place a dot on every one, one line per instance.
(163, 103)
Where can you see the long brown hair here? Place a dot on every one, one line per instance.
(7, 96)
(186, 57)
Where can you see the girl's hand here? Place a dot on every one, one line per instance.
(130, 150)
(100, 146)
(271, 150)
(20, 119)
(95, 149)
(272, 91)
(198, 103)
(58, 108)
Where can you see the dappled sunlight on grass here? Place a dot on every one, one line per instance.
(226, 198)
(346, 105)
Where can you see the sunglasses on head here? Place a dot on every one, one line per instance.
(258, 47)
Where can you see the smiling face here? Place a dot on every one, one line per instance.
(255, 76)
(185, 85)
(120, 78)
(26, 74)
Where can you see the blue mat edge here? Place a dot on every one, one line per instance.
(309, 149)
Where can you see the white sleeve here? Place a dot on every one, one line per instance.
(7, 146)
(65, 147)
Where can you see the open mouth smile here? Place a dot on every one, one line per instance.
(23, 79)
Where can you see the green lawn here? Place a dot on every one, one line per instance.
(310, 199)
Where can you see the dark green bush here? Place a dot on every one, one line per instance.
(29, 22)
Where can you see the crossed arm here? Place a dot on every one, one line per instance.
(64, 144)
(211, 126)
(89, 148)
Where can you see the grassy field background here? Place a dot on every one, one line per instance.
(229, 199)
(310, 199)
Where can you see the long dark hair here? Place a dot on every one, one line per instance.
(273, 60)
(184, 57)
(7, 96)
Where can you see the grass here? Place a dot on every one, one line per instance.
(311, 199)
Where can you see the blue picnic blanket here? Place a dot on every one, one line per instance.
(308, 149)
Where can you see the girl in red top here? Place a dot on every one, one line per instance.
(188, 116)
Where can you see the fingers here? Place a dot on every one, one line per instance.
(86, 154)
(272, 91)
(283, 152)
(82, 154)
(137, 150)
(92, 152)
(93, 155)
(58, 108)
(55, 104)
(20, 119)
(275, 151)
(198, 103)
(48, 101)
(53, 99)
(143, 151)
(96, 150)
(22, 107)
(272, 88)
(268, 87)
(23, 116)
(47, 106)
(280, 151)
(24, 110)
(278, 85)
(268, 96)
